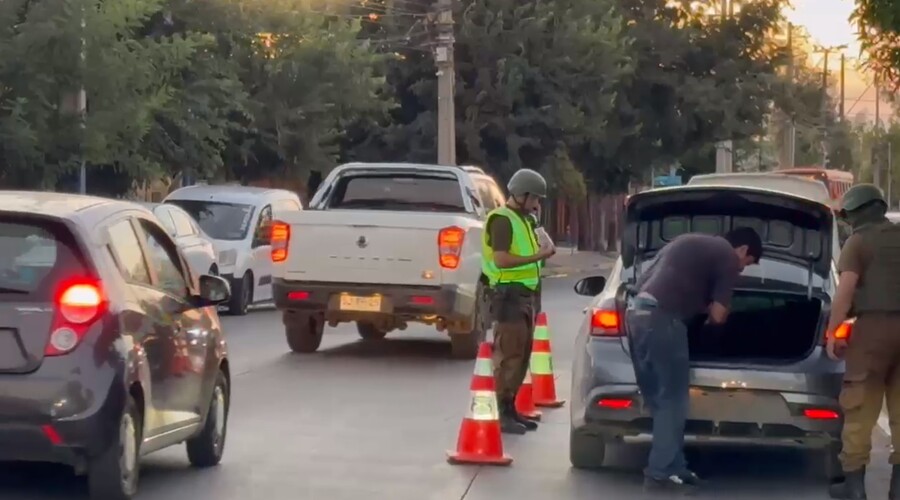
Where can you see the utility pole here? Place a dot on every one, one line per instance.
(446, 72)
(82, 109)
(724, 149)
(825, 105)
(843, 75)
(876, 166)
(789, 132)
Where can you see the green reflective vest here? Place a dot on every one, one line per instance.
(524, 244)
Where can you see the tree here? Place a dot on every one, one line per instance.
(878, 23)
(305, 76)
(697, 80)
(130, 78)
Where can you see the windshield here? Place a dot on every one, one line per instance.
(220, 221)
(413, 192)
(35, 255)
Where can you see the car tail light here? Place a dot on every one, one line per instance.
(821, 414)
(78, 305)
(615, 403)
(606, 323)
(844, 331)
(421, 300)
(450, 241)
(51, 435)
(298, 295)
(281, 235)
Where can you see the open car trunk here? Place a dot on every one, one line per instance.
(764, 327)
(778, 306)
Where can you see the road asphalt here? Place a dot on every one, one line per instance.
(373, 421)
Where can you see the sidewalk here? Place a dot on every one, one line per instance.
(568, 262)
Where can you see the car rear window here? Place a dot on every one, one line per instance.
(399, 192)
(35, 256)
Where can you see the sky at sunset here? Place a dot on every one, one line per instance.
(827, 21)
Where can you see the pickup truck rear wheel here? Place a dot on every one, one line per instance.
(303, 331)
(369, 331)
(465, 345)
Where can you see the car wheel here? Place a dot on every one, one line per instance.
(207, 448)
(586, 451)
(113, 475)
(241, 296)
(303, 331)
(369, 331)
(465, 345)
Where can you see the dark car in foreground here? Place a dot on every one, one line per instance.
(109, 348)
(762, 378)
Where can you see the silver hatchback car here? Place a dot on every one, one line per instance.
(764, 378)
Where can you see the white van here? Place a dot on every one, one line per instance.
(238, 219)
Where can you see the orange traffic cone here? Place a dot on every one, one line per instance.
(479, 439)
(525, 400)
(544, 385)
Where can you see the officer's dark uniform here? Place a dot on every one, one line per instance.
(873, 353)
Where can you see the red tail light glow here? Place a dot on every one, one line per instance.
(78, 305)
(281, 235)
(606, 323)
(450, 242)
(298, 295)
(51, 435)
(844, 331)
(615, 403)
(821, 414)
(421, 300)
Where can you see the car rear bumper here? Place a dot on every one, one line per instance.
(744, 415)
(448, 301)
(57, 419)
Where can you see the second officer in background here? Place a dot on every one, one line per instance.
(511, 259)
(869, 286)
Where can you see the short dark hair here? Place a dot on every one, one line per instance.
(746, 236)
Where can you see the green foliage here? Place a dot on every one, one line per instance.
(594, 93)
(878, 23)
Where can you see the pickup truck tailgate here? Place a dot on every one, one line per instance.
(363, 246)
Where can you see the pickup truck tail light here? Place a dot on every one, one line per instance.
(450, 242)
(606, 322)
(281, 236)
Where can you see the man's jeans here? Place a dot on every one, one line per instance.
(659, 351)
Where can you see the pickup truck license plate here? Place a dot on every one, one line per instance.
(364, 304)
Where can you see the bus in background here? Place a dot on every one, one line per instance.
(837, 181)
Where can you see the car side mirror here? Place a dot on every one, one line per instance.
(213, 291)
(590, 286)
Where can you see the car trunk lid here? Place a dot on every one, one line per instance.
(37, 254)
(794, 229)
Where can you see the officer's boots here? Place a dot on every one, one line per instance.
(853, 487)
(895, 484)
(509, 419)
(530, 425)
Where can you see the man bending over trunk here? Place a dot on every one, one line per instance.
(693, 274)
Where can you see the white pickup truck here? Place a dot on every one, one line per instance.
(384, 245)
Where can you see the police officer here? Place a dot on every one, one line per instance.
(512, 259)
(869, 269)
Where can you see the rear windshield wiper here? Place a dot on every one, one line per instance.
(4, 289)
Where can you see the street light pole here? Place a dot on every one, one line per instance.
(446, 73)
(82, 109)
